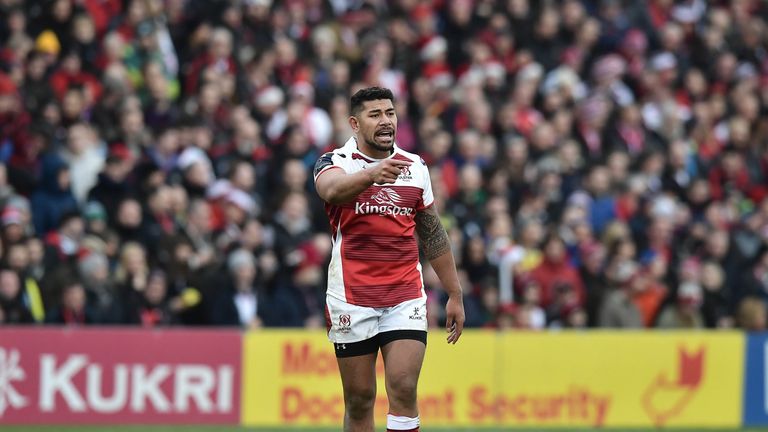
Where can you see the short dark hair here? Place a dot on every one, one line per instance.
(68, 216)
(368, 94)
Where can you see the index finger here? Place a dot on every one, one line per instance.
(399, 163)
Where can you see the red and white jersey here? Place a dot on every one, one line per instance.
(375, 257)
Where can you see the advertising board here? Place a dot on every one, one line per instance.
(114, 376)
(756, 386)
(515, 379)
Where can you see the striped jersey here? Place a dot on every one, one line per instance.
(375, 256)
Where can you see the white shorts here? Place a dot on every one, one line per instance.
(349, 323)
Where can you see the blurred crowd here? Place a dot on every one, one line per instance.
(597, 163)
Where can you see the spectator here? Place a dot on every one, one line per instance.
(129, 223)
(292, 228)
(647, 294)
(95, 217)
(151, 307)
(244, 302)
(73, 308)
(684, 312)
(715, 308)
(754, 282)
(618, 310)
(13, 228)
(158, 220)
(71, 74)
(306, 285)
(198, 230)
(63, 244)
(85, 157)
(131, 272)
(752, 314)
(556, 270)
(54, 198)
(530, 314)
(100, 292)
(36, 268)
(12, 304)
(111, 187)
(592, 274)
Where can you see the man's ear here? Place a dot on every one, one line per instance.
(353, 123)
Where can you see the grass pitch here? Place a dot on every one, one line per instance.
(54, 428)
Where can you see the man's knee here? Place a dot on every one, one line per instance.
(359, 402)
(402, 389)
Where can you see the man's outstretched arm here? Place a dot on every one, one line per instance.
(337, 187)
(437, 247)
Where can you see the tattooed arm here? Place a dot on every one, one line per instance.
(437, 247)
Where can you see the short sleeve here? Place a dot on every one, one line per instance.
(325, 163)
(427, 198)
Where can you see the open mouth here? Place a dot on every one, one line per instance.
(385, 135)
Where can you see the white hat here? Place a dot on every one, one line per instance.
(664, 207)
(495, 70)
(689, 290)
(561, 77)
(442, 80)
(265, 3)
(269, 96)
(689, 12)
(239, 258)
(611, 65)
(303, 88)
(530, 72)
(219, 189)
(625, 270)
(191, 156)
(745, 70)
(663, 61)
(242, 200)
(580, 199)
(435, 47)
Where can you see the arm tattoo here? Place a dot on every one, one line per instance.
(432, 236)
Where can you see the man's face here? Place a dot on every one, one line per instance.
(64, 179)
(74, 228)
(376, 124)
(74, 298)
(9, 285)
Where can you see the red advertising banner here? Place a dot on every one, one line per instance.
(83, 376)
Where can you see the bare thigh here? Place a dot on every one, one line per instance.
(402, 364)
(358, 378)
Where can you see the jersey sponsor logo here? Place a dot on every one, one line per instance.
(345, 323)
(386, 196)
(73, 384)
(386, 202)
